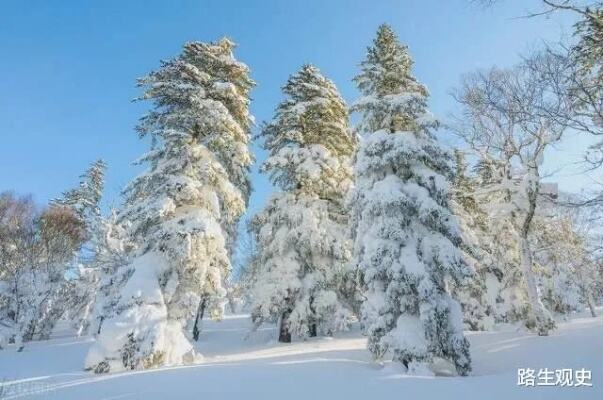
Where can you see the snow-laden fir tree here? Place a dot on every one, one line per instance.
(478, 312)
(178, 212)
(406, 238)
(499, 246)
(85, 199)
(112, 249)
(588, 52)
(497, 293)
(302, 248)
(586, 82)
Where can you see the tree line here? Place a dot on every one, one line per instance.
(377, 223)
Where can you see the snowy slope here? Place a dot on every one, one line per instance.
(238, 365)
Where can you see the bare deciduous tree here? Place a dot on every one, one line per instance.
(581, 78)
(503, 120)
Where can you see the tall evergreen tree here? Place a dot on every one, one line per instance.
(178, 212)
(301, 234)
(84, 202)
(406, 239)
(498, 244)
(588, 51)
(112, 252)
(478, 313)
(585, 82)
(85, 199)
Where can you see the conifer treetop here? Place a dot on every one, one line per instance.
(203, 72)
(232, 81)
(202, 97)
(85, 199)
(387, 67)
(393, 100)
(309, 139)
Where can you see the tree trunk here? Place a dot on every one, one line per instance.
(231, 303)
(543, 321)
(100, 325)
(84, 325)
(537, 308)
(19, 343)
(312, 328)
(198, 318)
(29, 332)
(284, 335)
(591, 304)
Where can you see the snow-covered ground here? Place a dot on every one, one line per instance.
(238, 365)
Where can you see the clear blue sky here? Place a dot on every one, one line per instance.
(68, 68)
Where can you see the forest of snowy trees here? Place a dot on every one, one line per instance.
(377, 221)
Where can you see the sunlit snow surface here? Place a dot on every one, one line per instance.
(240, 365)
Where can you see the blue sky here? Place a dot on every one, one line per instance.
(68, 68)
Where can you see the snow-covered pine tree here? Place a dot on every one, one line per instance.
(85, 199)
(112, 250)
(587, 53)
(232, 84)
(586, 82)
(500, 244)
(478, 313)
(302, 248)
(496, 294)
(406, 238)
(179, 210)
